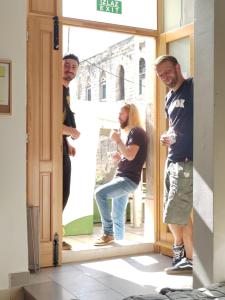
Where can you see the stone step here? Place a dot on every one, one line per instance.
(47, 291)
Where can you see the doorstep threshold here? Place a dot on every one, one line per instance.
(104, 252)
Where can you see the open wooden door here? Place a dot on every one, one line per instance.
(179, 43)
(44, 126)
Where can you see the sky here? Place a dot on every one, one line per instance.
(89, 42)
(139, 13)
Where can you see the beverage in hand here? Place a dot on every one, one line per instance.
(170, 136)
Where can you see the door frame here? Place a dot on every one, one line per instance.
(164, 239)
(65, 21)
(133, 31)
(162, 40)
(40, 9)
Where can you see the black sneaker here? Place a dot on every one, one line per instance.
(178, 254)
(184, 267)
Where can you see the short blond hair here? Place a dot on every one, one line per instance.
(133, 115)
(164, 58)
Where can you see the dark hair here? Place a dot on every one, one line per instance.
(165, 58)
(71, 56)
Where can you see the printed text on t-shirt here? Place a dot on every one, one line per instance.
(179, 103)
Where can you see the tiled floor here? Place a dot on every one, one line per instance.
(114, 279)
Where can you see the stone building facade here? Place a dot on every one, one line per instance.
(119, 73)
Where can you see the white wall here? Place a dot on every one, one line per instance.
(209, 161)
(13, 233)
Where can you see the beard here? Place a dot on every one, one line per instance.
(68, 77)
(173, 82)
(124, 124)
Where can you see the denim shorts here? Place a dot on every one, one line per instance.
(178, 192)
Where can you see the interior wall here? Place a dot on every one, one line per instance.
(203, 136)
(219, 142)
(13, 232)
(178, 13)
(209, 171)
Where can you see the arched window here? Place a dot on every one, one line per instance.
(88, 89)
(142, 71)
(120, 90)
(103, 86)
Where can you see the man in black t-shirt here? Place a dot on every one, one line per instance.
(178, 195)
(70, 67)
(131, 156)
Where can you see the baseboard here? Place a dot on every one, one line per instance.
(18, 279)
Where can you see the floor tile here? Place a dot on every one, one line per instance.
(102, 295)
(126, 287)
(114, 278)
(48, 291)
(81, 284)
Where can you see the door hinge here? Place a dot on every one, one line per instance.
(27, 138)
(56, 33)
(56, 250)
(27, 36)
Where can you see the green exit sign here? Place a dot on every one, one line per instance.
(110, 6)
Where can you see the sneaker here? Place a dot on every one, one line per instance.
(66, 246)
(184, 267)
(178, 254)
(104, 240)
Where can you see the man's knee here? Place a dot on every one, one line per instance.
(118, 220)
(99, 193)
(119, 216)
(96, 194)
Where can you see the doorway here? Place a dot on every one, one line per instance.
(115, 69)
(44, 111)
(44, 108)
(179, 43)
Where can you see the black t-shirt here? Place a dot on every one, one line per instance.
(132, 169)
(179, 110)
(68, 116)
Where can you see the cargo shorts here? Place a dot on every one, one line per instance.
(178, 192)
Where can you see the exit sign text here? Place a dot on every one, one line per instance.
(110, 6)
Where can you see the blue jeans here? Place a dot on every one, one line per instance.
(118, 189)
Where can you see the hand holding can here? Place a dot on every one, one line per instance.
(168, 138)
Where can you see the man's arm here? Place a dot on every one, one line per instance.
(129, 152)
(73, 132)
(71, 149)
(164, 139)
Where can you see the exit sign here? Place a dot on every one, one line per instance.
(110, 6)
